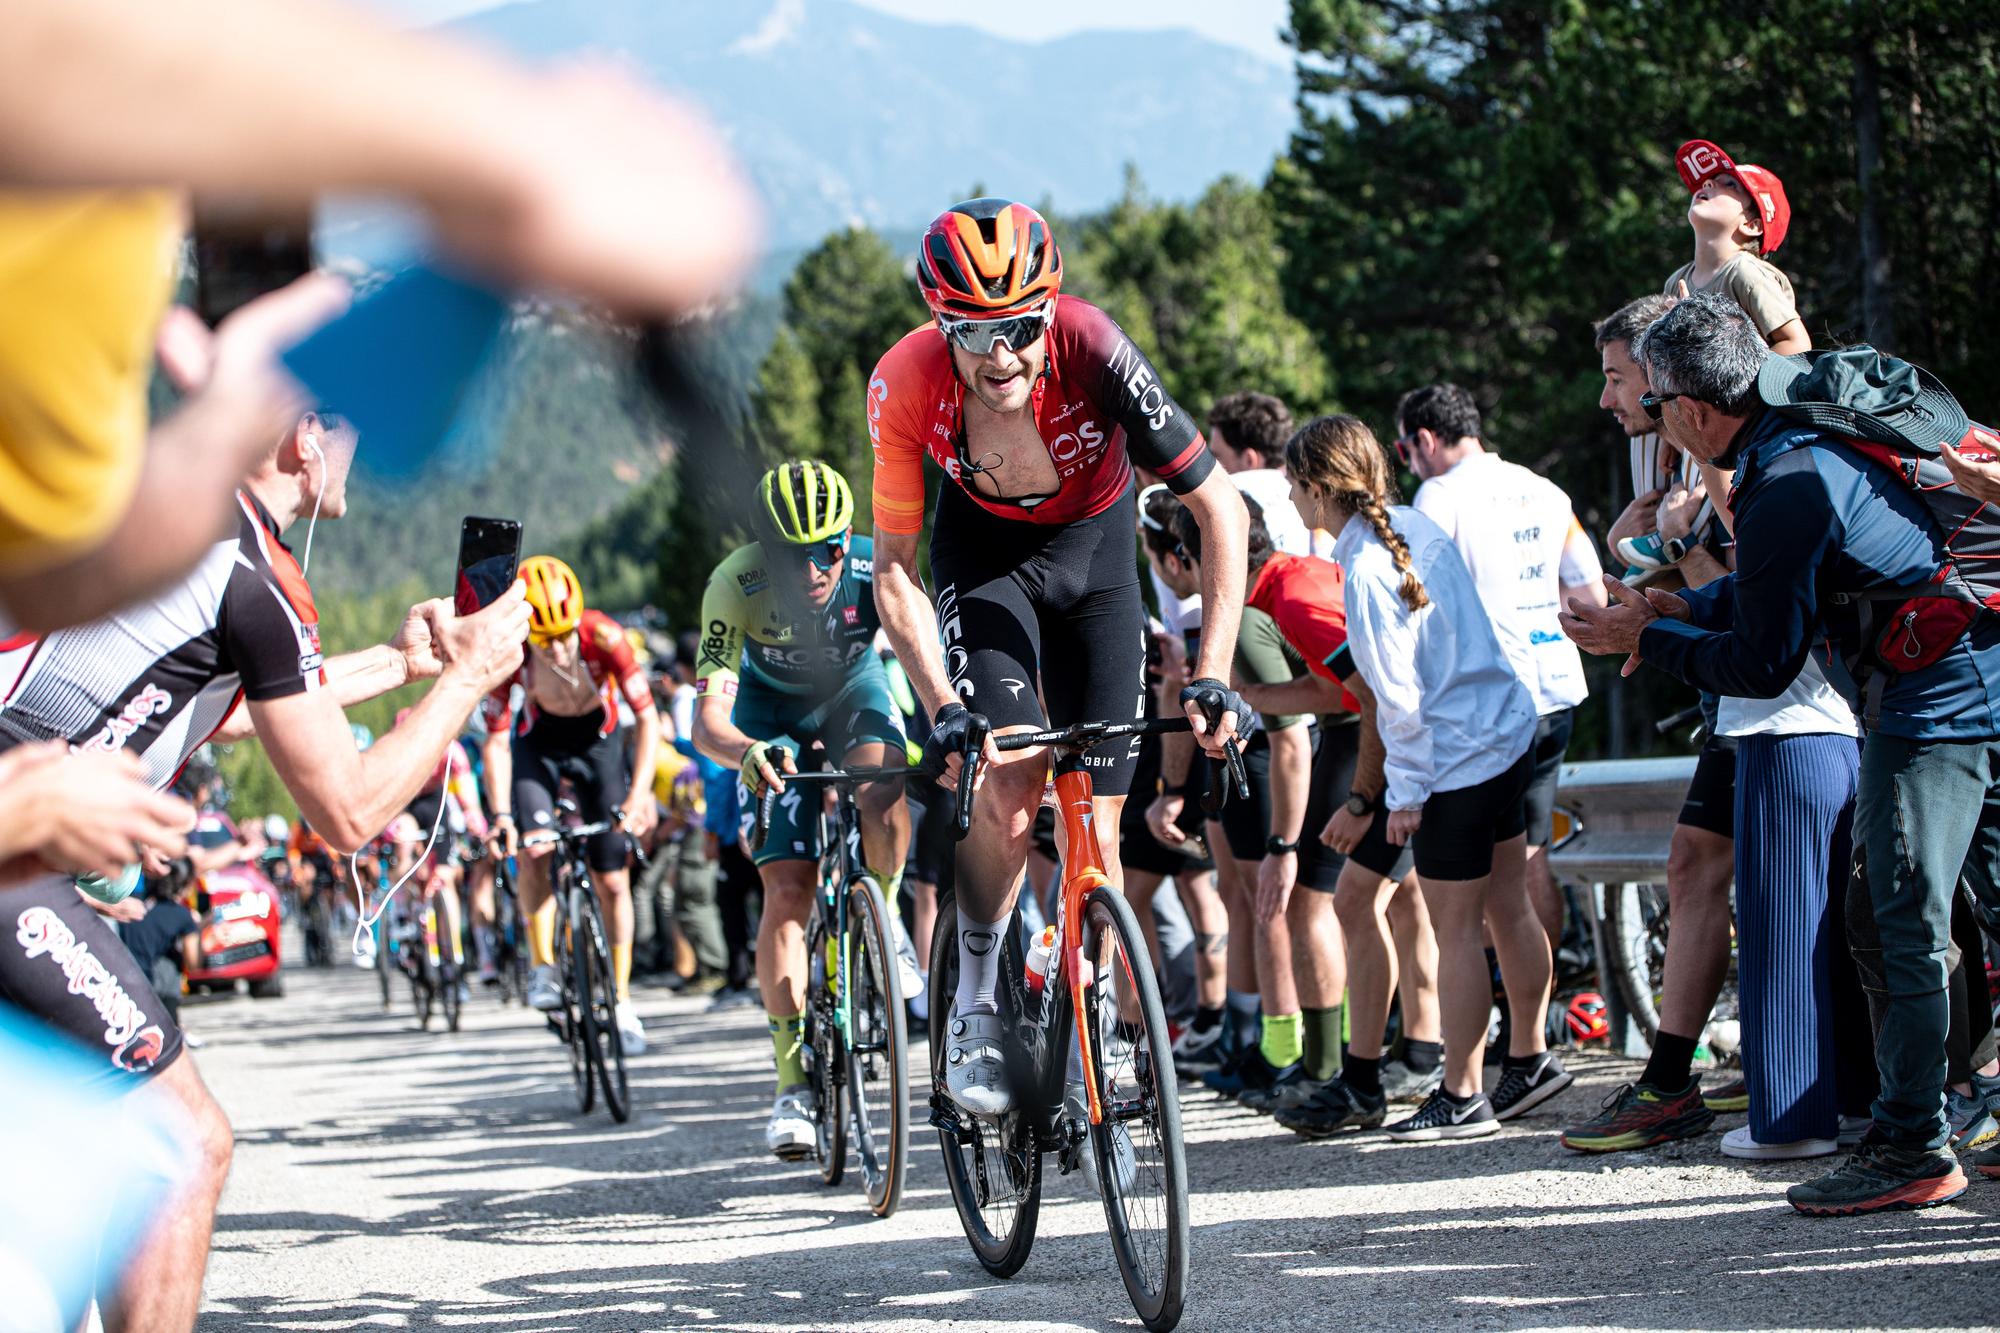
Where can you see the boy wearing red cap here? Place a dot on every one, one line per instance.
(1740, 215)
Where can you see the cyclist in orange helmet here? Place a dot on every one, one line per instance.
(565, 725)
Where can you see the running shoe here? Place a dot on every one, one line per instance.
(732, 997)
(1196, 1052)
(1738, 1143)
(1989, 1090)
(975, 1064)
(1404, 1083)
(1334, 1106)
(1125, 1159)
(1250, 1072)
(1639, 1115)
(1730, 1097)
(1443, 1116)
(545, 988)
(1881, 1176)
(1972, 1125)
(1986, 1162)
(631, 1032)
(789, 1134)
(1524, 1087)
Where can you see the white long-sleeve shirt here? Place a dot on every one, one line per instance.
(1449, 707)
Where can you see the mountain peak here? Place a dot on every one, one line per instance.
(780, 26)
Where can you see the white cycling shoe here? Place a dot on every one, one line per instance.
(545, 988)
(976, 1065)
(1124, 1160)
(790, 1135)
(631, 1032)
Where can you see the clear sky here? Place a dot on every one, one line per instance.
(1250, 24)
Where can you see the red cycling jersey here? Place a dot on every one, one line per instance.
(1099, 407)
(1305, 595)
(613, 667)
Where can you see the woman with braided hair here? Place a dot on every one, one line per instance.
(1457, 727)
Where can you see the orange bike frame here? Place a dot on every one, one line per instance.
(1083, 871)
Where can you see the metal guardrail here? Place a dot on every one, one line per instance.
(1624, 812)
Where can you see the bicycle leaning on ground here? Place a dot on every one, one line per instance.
(856, 1042)
(585, 1020)
(1096, 1019)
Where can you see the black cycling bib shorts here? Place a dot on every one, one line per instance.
(555, 748)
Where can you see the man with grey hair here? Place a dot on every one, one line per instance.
(1823, 531)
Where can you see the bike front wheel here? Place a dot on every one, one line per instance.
(877, 1050)
(606, 1047)
(992, 1166)
(576, 1004)
(1141, 1164)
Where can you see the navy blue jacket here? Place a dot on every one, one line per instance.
(1814, 519)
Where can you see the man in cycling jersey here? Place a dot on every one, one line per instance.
(787, 659)
(1037, 406)
(577, 666)
(235, 645)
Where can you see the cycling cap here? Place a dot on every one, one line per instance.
(987, 257)
(804, 502)
(555, 598)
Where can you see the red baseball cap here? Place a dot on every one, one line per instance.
(1699, 160)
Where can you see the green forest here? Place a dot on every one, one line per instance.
(1471, 185)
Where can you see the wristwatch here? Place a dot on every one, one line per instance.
(1358, 805)
(1277, 846)
(1675, 549)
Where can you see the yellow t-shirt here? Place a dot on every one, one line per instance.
(84, 278)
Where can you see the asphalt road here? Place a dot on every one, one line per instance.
(387, 1178)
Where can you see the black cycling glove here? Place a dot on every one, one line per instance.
(947, 738)
(1214, 699)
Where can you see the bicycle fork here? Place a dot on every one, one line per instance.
(1073, 797)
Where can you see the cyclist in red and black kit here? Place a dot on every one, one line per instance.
(1037, 407)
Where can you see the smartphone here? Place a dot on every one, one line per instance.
(241, 254)
(489, 550)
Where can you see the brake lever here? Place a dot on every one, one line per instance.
(762, 828)
(1234, 757)
(974, 754)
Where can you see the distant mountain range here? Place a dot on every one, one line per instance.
(845, 115)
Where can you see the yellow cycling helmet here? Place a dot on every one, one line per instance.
(555, 598)
(801, 503)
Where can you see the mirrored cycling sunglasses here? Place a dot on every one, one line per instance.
(825, 555)
(977, 336)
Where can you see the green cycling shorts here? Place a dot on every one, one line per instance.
(862, 713)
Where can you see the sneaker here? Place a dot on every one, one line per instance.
(1730, 1097)
(1988, 1089)
(1290, 1084)
(489, 975)
(733, 997)
(1972, 1125)
(631, 1032)
(1986, 1162)
(1643, 552)
(1443, 1116)
(1333, 1107)
(1405, 1083)
(1524, 1087)
(1250, 1072)
(789, 1134)
(1639, 1115)
(1197, 1052)
(1125, 1159)
(1738, 1143)
(1853, 1129)
(909, 976)
(1879, 1176)
(545, 988)
(976, 1065)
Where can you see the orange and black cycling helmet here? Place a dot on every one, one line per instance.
(555, 598)
(986, 258)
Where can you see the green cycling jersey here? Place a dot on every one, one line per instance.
(749, 627)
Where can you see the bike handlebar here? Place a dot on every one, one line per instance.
(544, 837)
(825, 777)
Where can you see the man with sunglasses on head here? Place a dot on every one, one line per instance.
(1038, 408)
(565, 725)
(787, 659)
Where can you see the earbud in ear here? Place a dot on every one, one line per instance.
(311, 444)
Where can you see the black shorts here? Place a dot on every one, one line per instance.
(1332, 778)
(555, 748)
(424, 809)
(1551, 744)
(1247, 824)
(1138, 849)
(63, 963)
(1462, 827)
(1013, 596)
(1711, 798)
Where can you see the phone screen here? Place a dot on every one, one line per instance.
(240, 255)
(489, 549)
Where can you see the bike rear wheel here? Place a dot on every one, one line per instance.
(877, 1051)
(993, 1167)
(606, 1047)
(1141, 1163)
(823, 1064)
(1635, 946)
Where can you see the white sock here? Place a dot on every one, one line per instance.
(978, 964)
